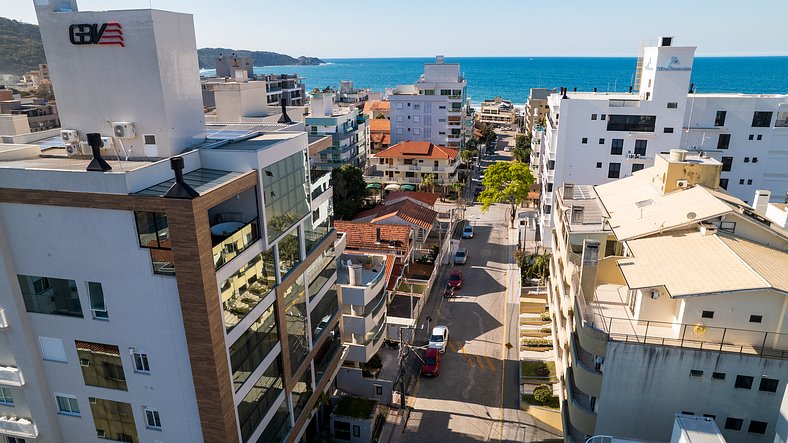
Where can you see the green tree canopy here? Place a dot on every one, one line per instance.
(349, 190)
(522, 155)
(467, 154)
(506, 182)
(522, 141)
(428, 182)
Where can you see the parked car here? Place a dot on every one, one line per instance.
(455, 280)
(439, 337)
(461, 256)
(507, 149)
(431, 366)
(467, 232)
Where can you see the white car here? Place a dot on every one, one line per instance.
(439, 337)
(507, 149)
(461, 256)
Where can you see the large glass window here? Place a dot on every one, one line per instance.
(617, 146)
(301, 392)
(632, 123)
(247, 287)
(253, 346)
(322, 314)
(614, 170)
(278, 427)
(154, 234)
(640, 147)
(289, 252)
(719, 119)
(97, 305)
(286, 194)
(295, 315)
(727, 163)
(315, 233)
(258, 401)
(723, 141)
(761, 119)
(114, 420)
(325, 355)
(782, 120)
(47, 295)
(321, 270)
(101, 365)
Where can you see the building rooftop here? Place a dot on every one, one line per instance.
(371, 237)
(585, 213)
(418, 149)
(380, 125)
(373, 266)
(696, 430)
(428, 198)
(406, 210)
(201, 180)
(377, 105)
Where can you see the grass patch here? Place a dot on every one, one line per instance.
(406, 288)
(538, 342)
(538, 369)
(554, 403)
(355, 407)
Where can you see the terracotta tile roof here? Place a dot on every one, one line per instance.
(428, 198)
(406, 210)
(423, 150)
(396, 273)
(364, 236)
(379, 125)
(97, 347)
(377, 105)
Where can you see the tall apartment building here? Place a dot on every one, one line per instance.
(497, 112)
(535, 109)
(596, 137)
(348, 128)
(433, 109)
(177, 293)
(284, 86)
(667, 296)
(39, 114)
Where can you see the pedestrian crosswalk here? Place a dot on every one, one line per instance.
(473, 360)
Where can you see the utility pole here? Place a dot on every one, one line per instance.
(402, 368)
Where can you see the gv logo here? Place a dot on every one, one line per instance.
(93, 34)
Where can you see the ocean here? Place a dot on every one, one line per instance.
(512, 77)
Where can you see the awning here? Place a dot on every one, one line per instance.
(408, 187)
(374, 186)
(392, 187)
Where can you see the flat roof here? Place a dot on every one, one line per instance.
(202, 180)
(258, 142)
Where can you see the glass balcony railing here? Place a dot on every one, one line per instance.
(226, 247)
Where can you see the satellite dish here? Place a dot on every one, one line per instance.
(691, 215)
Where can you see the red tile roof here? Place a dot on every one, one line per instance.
(364, 236)
(379, 125)
(428, 198)
(377, 105)
(406, 210)
(97, 347)
(396, 273)
(423, 150)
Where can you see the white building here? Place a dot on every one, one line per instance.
(177, 293)
(348, 128)
(433, 109)
(595, 137)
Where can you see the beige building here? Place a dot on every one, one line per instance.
(497, 112)
(408, 162)
(668, 296)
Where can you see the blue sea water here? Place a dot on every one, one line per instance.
(512, 77)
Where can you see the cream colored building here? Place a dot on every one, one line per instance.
(668, 296)
(497, 112)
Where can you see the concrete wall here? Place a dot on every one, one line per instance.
(11, 124)
(352, 381)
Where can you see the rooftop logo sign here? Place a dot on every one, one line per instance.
(673, 65)
(94, 34)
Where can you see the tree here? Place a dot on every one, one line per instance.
(522, 141)
(543, 394)
(506, 182)
(458, 186)
(349, 190)
(488, 134)
(428, 182)
(467, 155)
(537, 266)
(522, 155)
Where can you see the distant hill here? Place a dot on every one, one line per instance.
(20, 47)
(206, 57)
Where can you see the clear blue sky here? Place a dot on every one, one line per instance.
(403, 28)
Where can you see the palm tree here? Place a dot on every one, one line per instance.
(428, 182)
(458, 187)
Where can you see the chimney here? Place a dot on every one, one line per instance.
(577, 214)
(589, 268)
(630, 89)
(355, 276)
(574, 89)
(97, 164)
(284, 118)
(594, 89)
(179, 189)
(377, 235)
(761, 201)
(569, 191)
(564, 93)
(691, 88)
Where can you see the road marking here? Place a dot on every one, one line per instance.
(451, 345)
(481, 362)
(467, 357)
(489, 362)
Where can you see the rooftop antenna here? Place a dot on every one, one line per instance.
(692, 107)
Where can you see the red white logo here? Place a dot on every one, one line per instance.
(92, 34)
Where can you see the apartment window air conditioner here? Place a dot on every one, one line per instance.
(682, 183)
(630, 155)
(654, 294)
(637, 155)
(123, 129)
(69, 136)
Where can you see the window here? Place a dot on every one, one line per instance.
(755, 159)
(416, 119)
(357, 430)
(673, 105)
(746, 159)
(782, 120)
(743, 382)
(546, 209)
(140, 362)
(599, 165)
(761, 119)
(723, 141)
(47, 295)
(757, 427)
(733, 424)
(696, 373)
(603, 117)
(286, 196)
(429, 92)
(631, 123)
(67, 405)
(342, 430)
(416, 131)
(727, 163)
(640, 147)
(668, 130)
(768, 385)
(707, 314)
(260, 399)
(593, 116)
(617, 146)
(113, 420)
(637, 166)
(719, 119)
(399, 105)
(711, 416)
(614, 170)
(399, 130)
(584, 140)
(6, 398)
(152, 419)
(751, 137)
(52, 349)
(687, 412)
(550, 165)
(10, 439)
(96, 296)
(104, 366)
(549, 187)
(399, 118)
(759, 137)
(724, 183)
(741, 181)
(749, 181)
(756, 318)
(601, 141)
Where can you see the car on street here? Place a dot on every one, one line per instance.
(507, 149)
(467, 232)
(438, 339)
(455, 280)
(431, 366)
(461, 256)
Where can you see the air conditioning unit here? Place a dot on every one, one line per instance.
(654, 294)
(123, 129)
(637, 155)
(69, 136)
(630, 155)
(682, 183)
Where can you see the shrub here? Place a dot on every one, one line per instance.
(542, 372)
(543, 394)
(539, 342)
(546, 330)
(545, 316)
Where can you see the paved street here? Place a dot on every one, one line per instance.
(465, 403)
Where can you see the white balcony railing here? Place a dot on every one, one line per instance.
(10, 376)
(3, 319)
(18, 427)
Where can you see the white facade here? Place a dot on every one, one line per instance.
(348, 128)
(433, 109)
(588, 139)
(497, 112)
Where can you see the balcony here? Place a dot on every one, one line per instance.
(581, 415)
(360, 284)
(362, 347)
(232, 238)
(362, 319)
(18, 427)
(10, 376)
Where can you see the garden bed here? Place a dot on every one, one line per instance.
(553, 404)
(542, 370)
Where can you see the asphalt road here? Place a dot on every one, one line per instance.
(475, 397)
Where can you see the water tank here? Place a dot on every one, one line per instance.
(355, 275)
(677, 155)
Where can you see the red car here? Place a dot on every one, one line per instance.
(431, 366)
(455, 280)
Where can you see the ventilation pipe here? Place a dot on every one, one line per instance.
(179, 189)
(691, 88)
(284, 118)
(761, 201)
(98, 163)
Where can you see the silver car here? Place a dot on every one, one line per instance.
(461, 256)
